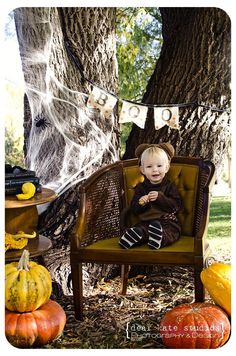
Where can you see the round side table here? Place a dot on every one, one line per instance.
(22, 215)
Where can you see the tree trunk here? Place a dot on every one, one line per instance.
(64, 140)
(194, 66)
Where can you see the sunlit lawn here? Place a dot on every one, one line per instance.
(219, 230)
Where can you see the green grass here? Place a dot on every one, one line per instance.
(219, 228)
(220, 218)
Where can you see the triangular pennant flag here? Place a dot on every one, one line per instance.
(131, 112)
(166, 116)
(101, 100)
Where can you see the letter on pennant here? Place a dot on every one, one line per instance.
(133, 113)
(166, 116)
(101, 100)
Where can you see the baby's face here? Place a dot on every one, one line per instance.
(155, 167)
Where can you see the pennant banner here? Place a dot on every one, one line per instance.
(101, 100)
(166, 116)
(133, 113)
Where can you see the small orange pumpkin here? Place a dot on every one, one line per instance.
(35, 328)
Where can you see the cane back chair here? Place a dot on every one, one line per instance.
(108, 191)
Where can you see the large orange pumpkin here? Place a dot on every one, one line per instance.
(195, 326)
(35, 328)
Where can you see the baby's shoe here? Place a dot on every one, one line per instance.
(132, 236)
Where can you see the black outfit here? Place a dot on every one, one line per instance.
(158, 224)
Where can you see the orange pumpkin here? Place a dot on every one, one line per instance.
(35, 328)
(195, 326)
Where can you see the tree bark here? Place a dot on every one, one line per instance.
(194, 66)
(63, 138)
(50, 73)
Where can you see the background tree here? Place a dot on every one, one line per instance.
(194, 66)
(13, 154)
(56, 116)
(13, 104)
(13, 137)
(139, 41)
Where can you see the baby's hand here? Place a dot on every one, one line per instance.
(143, 200)
(152, 196)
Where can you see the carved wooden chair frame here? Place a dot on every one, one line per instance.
(104, 195)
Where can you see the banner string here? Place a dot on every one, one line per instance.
(194, 103)
(80, 67)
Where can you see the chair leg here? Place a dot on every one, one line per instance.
(199, 288)
(77, 283)
(124, 278)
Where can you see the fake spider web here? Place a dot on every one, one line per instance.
(67, 140)
(70, 143)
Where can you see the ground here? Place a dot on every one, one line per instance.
(113, 321)
(132, 321)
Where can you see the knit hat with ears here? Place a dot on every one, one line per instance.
(165, 146)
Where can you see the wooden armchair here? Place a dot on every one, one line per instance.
(108, 191)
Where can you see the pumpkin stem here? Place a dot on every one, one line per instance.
(24, 260)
